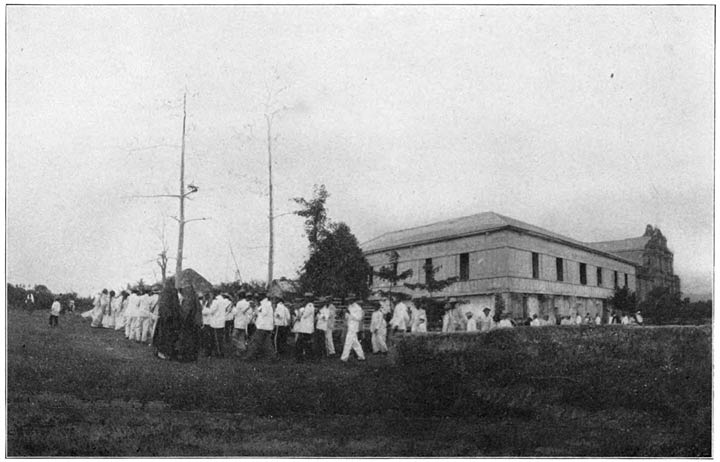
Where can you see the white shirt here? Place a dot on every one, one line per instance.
(306, 319)
(282, 315)
(55, 308)
(216, 312)
(322, 318)
(505, 323)
(625, 320)
(639, 318)
(471, 325)
(355, 317)
(536, 322)
(486, 322)
(578, 320)
(419, 321)
(242, 313)
(331, 316)
(144, 306)
(265, 319)
(377, 323)
(133, 305)
(598, 320)
(400, 318)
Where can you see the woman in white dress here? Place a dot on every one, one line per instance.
(120, 315)
(99, 311)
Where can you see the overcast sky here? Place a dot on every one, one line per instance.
(588, 121)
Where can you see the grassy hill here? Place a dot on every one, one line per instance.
(76, 391)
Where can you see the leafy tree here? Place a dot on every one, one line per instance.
(432, 285)
(623, 300)
(390, 273)
(315, 214)
(337, 266)
(662, 306)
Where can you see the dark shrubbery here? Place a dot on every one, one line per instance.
(663, 371)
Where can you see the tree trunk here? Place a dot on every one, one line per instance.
(271, 248)
(181, 221)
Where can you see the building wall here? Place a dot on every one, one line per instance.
(502, 262)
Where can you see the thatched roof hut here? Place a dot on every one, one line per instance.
(284, 288)
(199, 283)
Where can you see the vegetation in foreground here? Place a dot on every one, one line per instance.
(76, 391)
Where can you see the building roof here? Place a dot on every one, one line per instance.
(467, 226)
(621, 245)
(457, 227)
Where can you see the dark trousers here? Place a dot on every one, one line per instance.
(251, 329)
(213, 341)
(53, 320)
(280, 339)
(303, 347)
(261, 342)
(228, 331)
(318, 343)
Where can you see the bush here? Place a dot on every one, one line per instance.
(665, 371)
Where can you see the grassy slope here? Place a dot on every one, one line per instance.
(89, 392)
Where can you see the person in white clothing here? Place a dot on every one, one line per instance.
(471, 325)
(638, 318)
(419, 320)
(261, 340)
(485, 321)
(216, 313)
(151, 321)
(378, 329)
(305, 326)
(144, 318)
(321, 327)
(401, 318)
(578, 319)
(354, 318)
(131, 312)
(120, 319)
(282, 326)
(241, 312)
(598, 319)
(331, 313)
(55, 312)
(102, 303)
(624, 320)
(505, 322)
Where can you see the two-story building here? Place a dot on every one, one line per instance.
(533, 270)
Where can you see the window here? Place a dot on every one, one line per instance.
(370, 276)
(615, 280)
(583, 273)
(535, 265)
(599, 277)
(559, 268)
(428, 270)
(464, 266)
(395, 269)
(626, 279)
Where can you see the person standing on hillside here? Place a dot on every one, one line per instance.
(354, 318)
(471, 325)
(216, 324)
(101, 304)
(331, 313)
(55, 312)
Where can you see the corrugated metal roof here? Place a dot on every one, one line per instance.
(456, 227)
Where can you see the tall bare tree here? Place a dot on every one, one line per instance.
(272, 108)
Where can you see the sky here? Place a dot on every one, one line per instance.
(590, 121)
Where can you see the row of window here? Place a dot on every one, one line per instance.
(560, 271)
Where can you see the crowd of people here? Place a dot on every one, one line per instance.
(182, 326)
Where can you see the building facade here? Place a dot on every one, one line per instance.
(652, 258)
(532, 270)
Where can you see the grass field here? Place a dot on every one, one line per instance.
(76, 391)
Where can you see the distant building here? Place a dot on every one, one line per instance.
(652, 258)
(533, 270)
